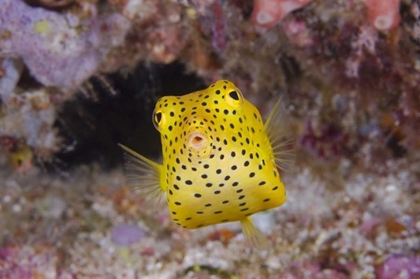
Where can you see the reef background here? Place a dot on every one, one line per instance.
(79, 76)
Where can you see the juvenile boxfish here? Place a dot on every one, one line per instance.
(220, 162)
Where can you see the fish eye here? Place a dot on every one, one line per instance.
(235, 98)
(158, 119)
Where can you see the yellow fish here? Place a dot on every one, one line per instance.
(21, 158)
(220, 162)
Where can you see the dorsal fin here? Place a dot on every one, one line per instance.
(142, 174)
(278, 132)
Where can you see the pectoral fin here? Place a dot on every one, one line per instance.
(142, 174)
(278, 131)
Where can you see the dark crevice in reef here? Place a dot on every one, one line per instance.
(93, 123)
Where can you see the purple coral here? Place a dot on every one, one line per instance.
(125, 235)
(399, 266)
(59, 49)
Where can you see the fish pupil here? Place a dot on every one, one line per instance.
(158, 117)
(234, 95)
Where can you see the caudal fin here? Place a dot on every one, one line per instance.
(253, 236)
(142, 174)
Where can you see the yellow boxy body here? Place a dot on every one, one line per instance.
(219, 164)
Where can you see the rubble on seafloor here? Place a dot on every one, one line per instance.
(325, 58)
(92, 226)
(79, 76)
(357, 59)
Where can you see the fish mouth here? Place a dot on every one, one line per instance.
(198, 144)
(198, 141)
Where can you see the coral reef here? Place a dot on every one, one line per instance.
(79, 76)
(383, 15)
(60, 51)
(268, 13)
(48, 42)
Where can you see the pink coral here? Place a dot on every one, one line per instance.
(28, 262)
(268, 13)
(383, 14)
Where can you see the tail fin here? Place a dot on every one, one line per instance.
(254, 237)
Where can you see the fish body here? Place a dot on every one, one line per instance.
(219, 164)
(20, 155)
(21, 158)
